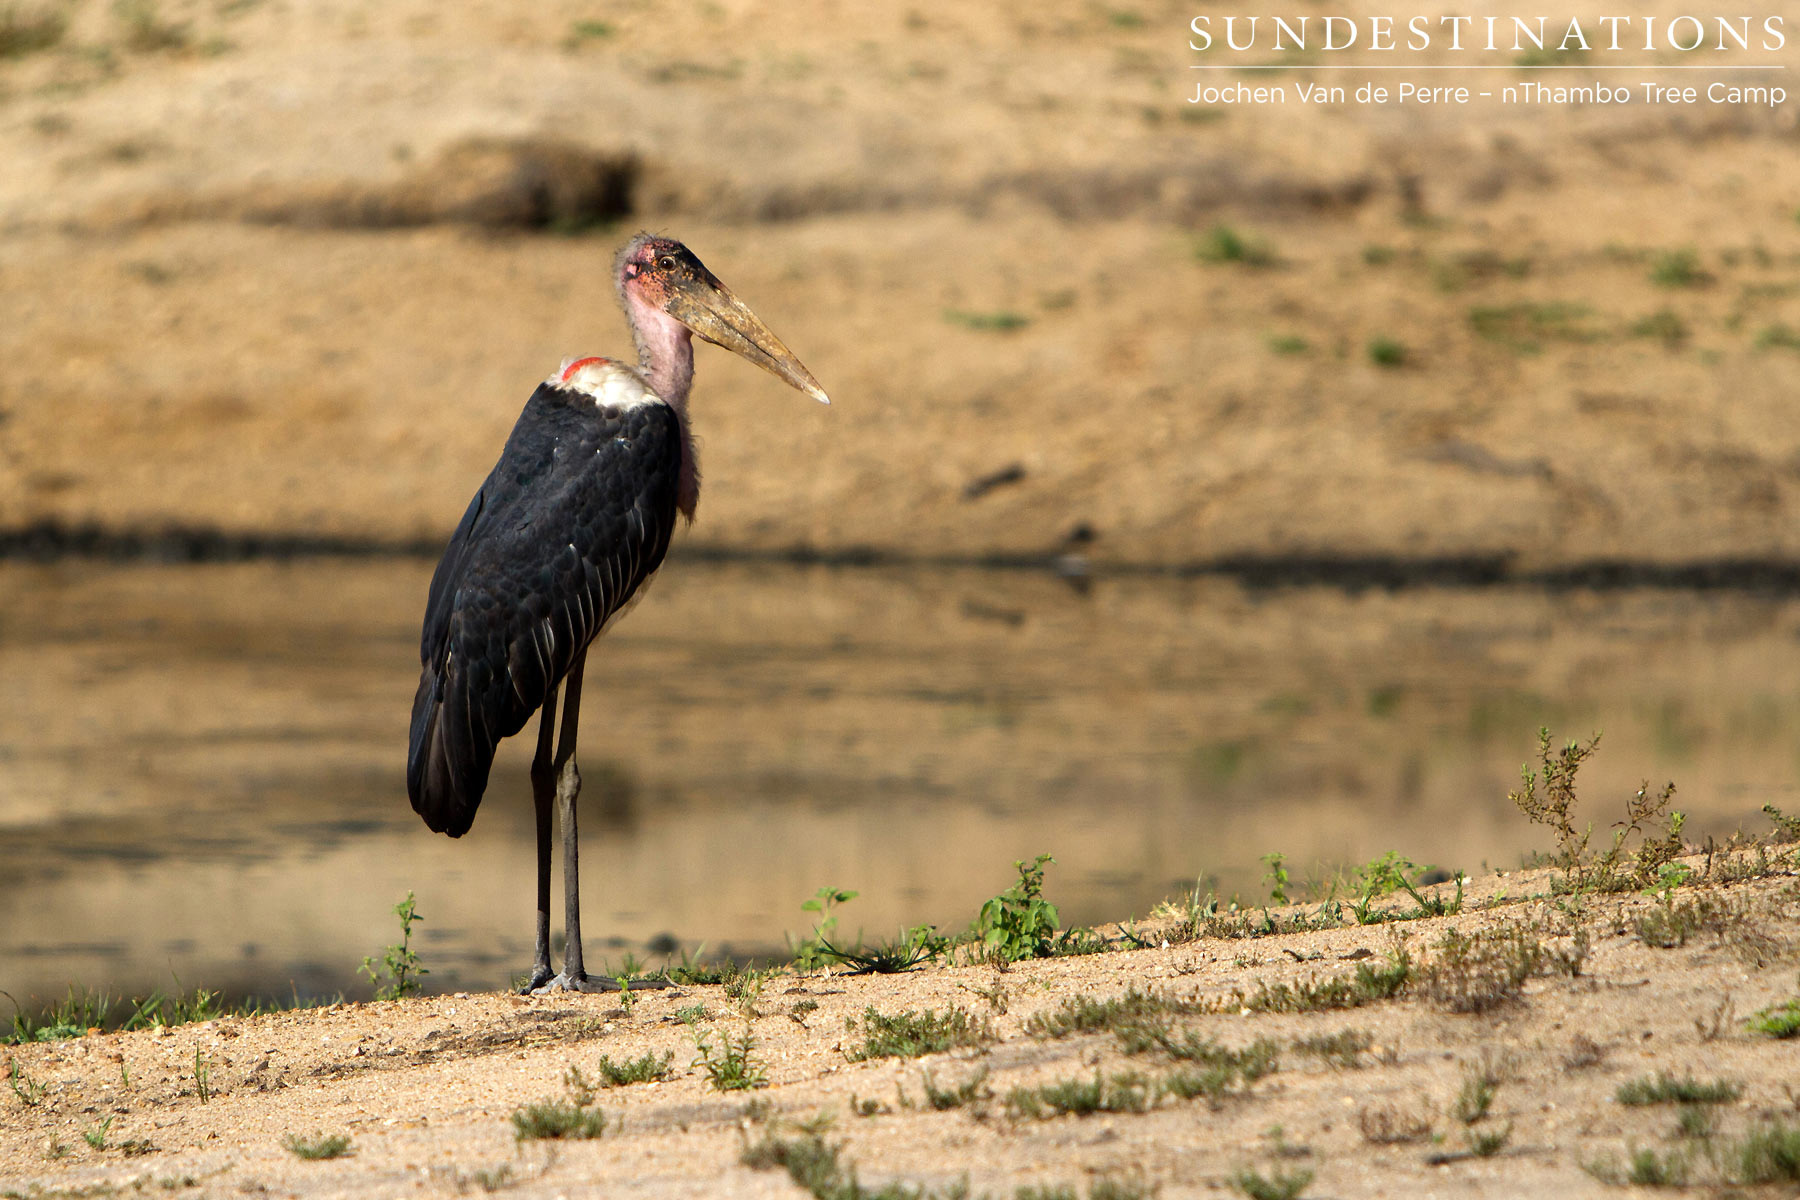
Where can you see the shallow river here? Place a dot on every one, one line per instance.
(202, 768)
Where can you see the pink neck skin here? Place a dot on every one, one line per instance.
(666, 358)
(665, 351)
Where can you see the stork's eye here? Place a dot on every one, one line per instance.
(667, 262)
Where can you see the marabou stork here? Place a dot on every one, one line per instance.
(559, 541)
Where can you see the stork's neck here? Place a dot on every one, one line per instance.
(665, 352)
(666, 359)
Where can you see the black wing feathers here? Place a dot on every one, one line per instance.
(573, 519)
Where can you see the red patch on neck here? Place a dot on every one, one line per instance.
(580, 363)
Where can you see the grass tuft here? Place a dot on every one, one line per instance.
(569, 1118)
(1666, 1089)
(1781, 1021)
(645, 1069)
(913, 1034)
(1277, 1185)
(728, 1067)
(325, 1145)
(1223, 244)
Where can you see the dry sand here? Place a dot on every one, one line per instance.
(425, 1087)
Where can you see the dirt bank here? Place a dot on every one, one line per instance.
(426, 1088)
(295, 271)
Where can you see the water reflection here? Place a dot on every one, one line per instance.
(201, 768)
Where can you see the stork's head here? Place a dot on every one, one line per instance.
(659, 275)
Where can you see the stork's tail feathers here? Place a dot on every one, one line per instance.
(446, 766)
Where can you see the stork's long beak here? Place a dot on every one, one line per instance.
(708, 307)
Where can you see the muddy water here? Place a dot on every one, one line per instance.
(202, 768)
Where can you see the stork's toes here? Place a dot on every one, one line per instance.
(564, 982)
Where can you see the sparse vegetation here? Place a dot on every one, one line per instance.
(1278, 1184)
(29, 1091)
(1343, 1050)
(1770, 1154)
(1287, 344)
(1554, 806)
(1126, 1092)
(1387, 352)
(1525, 327)
(1019, 923)
(1677, 269)
(95, 1135)
(819, 1168)
(1085, 1014)
(1778, 337)
(1663, 325)
(998, 321)
(1780, 1021)
(1223, 244)
(572, 1117)
(325, 1145)
(28, 29)
(1365, 985)
(1667, 1089)
(942, 1099)
(400, 970)
(645, 1068)
(913, 1034)
(728, 1066)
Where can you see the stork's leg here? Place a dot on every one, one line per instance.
(567, 777)
(568, 790)
(543, 790)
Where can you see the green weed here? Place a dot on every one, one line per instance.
(400, 970)
(1084, 1014)
(1666, 1089)
(202, 1077)
(572, 1117)
(96, 1136)
(913, 1034)
(1223, 244)
(644, 1069)
(325, 1145)
(1287, 344)
(1663, 326)
(1277, 876)
(1387, 352)
(1780, 1021)
(728, 1068)
(28, 30)
(1343, 1050)
(1000, 321)
(1019, 923)
(1485, 1143)
(28, 1090)
(1127, 1092)
(1555, 807)
(1770, 1154)
(1279, 1184)
(1677, 269)
(1778, 337)
(942, 1099)
(1366, 985)
(810, 954)
(1525, 327)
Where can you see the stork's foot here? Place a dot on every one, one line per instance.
(564, 982)
(540, 976)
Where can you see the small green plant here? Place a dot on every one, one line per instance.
(1000, 321)
(1555, 807)
(1019, 923)
(1387, 352)
(1695, 1121)
(26, 31)
(1778, 337)
(28, 1090)
(1475, 1096)
(942, 1099)
(1677, 269)
(643, 1069)
(1278, 1184)
(1787, 829)
(1779, 1021)
(202, 1077)
(1366, 985)
(692, 1014)
(1127, 1092)
(1223, 244)
(1084, 1014)
(809, 954)
(801, 1010)
(96, 1136)
(400, 970)
(1770, 1154)
(324, 1145)
(572, 1117)
(913, 1034)
(1667, 1089)
(1287, 344)
(1485, 1143)
(1663, 326)
(920, 944)
(728, 1067)
(1342, 1050)
(583, 31)
(1277, 876)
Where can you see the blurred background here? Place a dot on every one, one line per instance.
(1201, 481)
